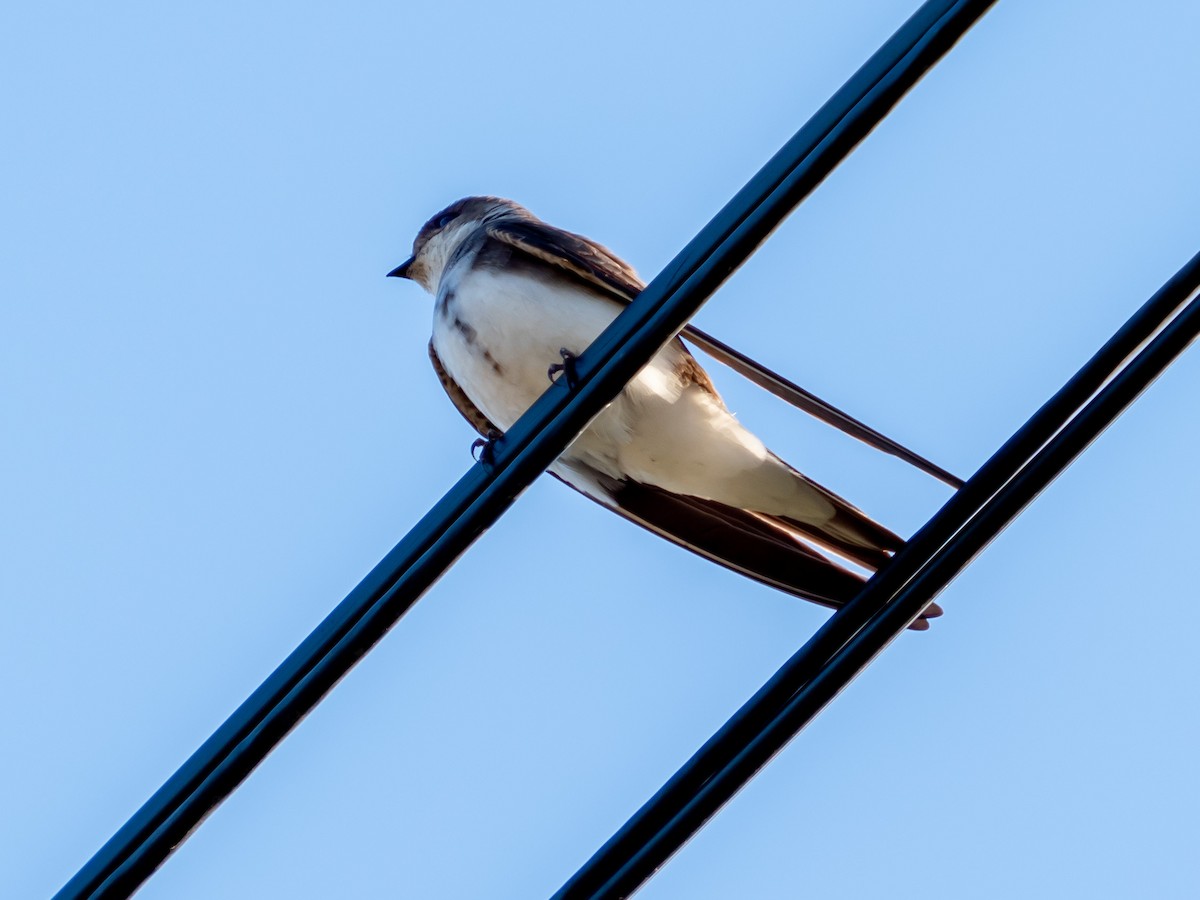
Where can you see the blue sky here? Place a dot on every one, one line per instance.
(218, 415)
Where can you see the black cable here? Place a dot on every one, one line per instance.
(850, 639)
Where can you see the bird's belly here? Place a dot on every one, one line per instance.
(497, 333)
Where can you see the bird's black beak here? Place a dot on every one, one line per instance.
(401, 271)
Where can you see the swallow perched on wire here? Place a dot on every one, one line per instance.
(516, 299)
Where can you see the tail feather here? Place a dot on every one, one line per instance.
(849, 532)
(770, 549)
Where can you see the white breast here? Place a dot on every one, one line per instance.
(497, 332)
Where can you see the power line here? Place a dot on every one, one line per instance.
(850, 639)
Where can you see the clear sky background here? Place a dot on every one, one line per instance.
(218, 415)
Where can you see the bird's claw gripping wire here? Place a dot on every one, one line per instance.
(566, 367)
(484, 449)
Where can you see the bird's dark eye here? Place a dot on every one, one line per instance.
(445, 219)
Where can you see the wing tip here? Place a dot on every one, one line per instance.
(921, 623)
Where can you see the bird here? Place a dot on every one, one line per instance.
(517, 299)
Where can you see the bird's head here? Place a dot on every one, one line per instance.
(444, 233)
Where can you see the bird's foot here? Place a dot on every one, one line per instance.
(566, 367)
(484, 449)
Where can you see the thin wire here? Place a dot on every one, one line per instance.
(850, 639)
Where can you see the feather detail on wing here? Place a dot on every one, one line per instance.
(572, 253)
(459, 398)
(763, 547)
(850, 532)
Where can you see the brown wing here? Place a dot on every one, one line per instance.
(850, 532)
(573, 253)
(458, 397)
(764, 548)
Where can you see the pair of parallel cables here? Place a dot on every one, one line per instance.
(1152, 338)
